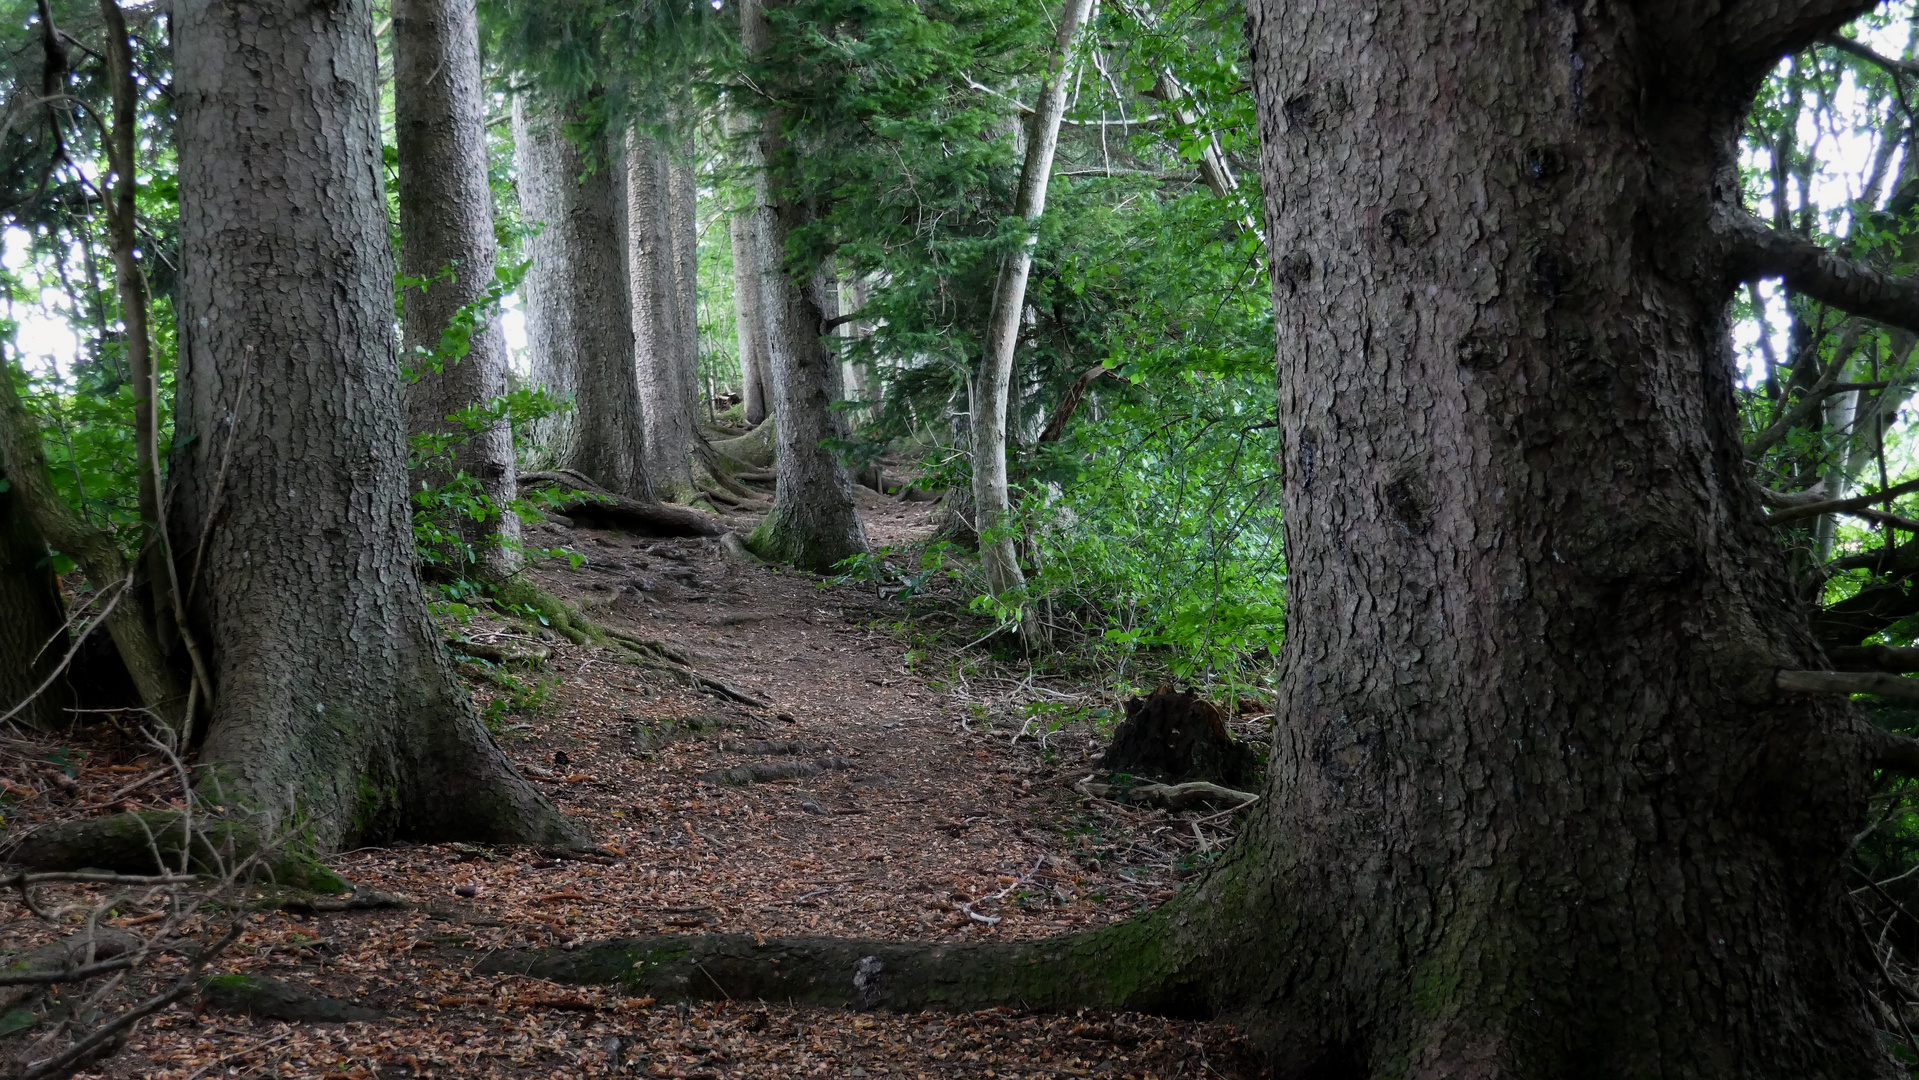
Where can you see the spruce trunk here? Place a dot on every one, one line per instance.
(579, 326)
(337, 707)
(446, 240)
(683, 222)
(1536, 807)
(667, 395)
(749, 320)
(813, 523)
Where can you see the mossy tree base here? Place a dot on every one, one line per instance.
(153, 841)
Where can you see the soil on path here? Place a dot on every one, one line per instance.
(895, 793)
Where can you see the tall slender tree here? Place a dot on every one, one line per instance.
(660, 331)
(447, 246)
(813, 522)
(335, 700)
(579, 312)
(749, 319)
(999, 559)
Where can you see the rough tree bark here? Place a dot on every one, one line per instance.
(336, 704)
(32, 640)
(446, 239)
(1536, 806)
(683, 217)
(992, 502)
(748, 321)
(579, 326)
(660, 331)
(813, 522)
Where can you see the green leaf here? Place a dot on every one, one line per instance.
(17, 1021)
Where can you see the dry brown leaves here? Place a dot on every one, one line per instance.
(939, 813)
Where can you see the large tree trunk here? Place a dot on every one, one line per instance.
(1531, 782)
(579, 325)
(813, 522)
(749, 320)
(1535, 805)
(660, 331)
(446, 239)
(33, 640)
(992, 502)
(337, 703)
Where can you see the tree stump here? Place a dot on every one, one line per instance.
(1173, 736)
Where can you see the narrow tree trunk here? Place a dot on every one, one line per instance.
(813, 522)
(130, 286)
(32, 636)
(579, 325)
(683, 219)
(749, 319)
(446, 239)
(999, 559)
(337, 701)
(667, 395)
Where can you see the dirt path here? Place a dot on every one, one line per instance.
(910, 811)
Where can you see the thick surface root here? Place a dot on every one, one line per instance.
(594, 504)
(276, 999)
(763, 771)
(1111, 968)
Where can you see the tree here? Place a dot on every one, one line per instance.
(813, 522)
(662, 331)
(999, 561)
(1538, 804)
(755, 377)
(335, 705)
(447, 256)
(579, 325)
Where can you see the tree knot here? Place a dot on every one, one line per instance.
(866, 980)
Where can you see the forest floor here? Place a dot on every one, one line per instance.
(929, 792)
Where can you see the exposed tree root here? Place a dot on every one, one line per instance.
(498, 654)
(1118, 967)
(753, 449)
(736, 548)
(737, 501)
(763, 771)
(149, 840)
(779, 746)
(1167, 796)
(596, 505)
(679, 663)
(273, 999)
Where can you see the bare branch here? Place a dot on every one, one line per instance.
(1880, 517)
(1868, 54)
(1878, 683)
(1840, 506)
(1899, 753)
(1876, 657)
(1824, 275)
